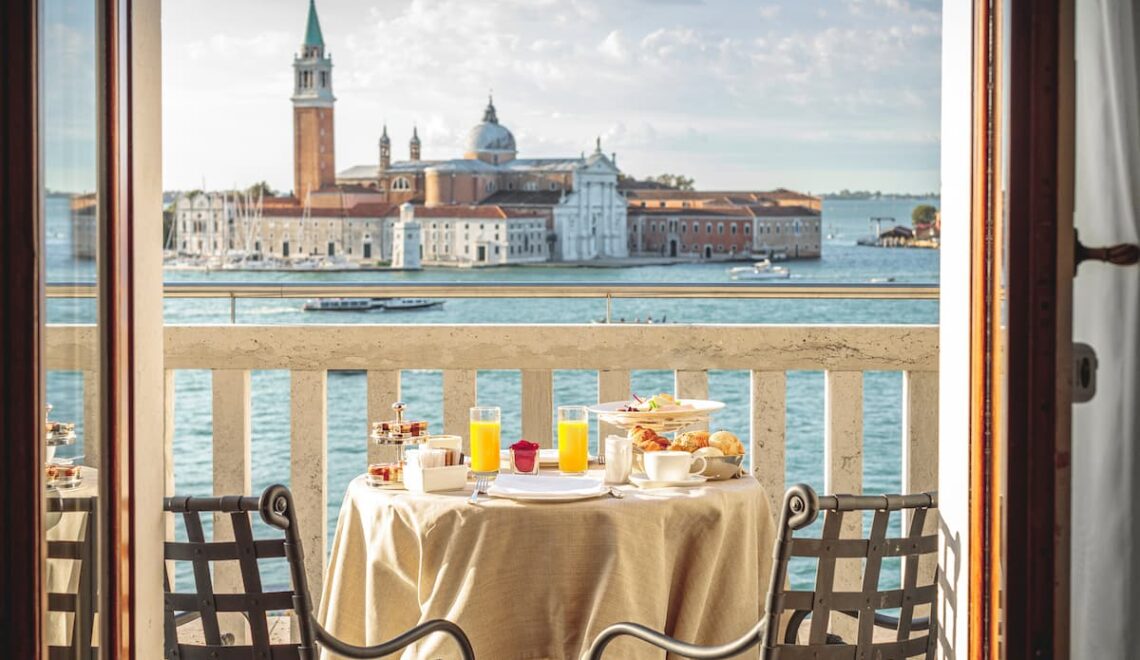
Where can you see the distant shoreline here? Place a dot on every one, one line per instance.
(870, 197)
(631, 262)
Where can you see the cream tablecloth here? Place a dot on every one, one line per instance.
(541, 580)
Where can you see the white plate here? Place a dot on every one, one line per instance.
(642, 481)
(661, 421)
(543, 488)
(546, 457)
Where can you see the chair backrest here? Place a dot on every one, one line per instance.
(275, 507)
(801, 508)
(82, 602)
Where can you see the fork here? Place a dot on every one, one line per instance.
(481, 484)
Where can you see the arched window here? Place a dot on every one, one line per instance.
(708, 228)
(489, 186)
(530, 185)
(401, 183)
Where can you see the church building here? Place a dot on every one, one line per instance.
(580, 194)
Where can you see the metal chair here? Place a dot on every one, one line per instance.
(801, 507)
(276, 508)
(82, 603)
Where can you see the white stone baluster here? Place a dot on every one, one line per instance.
(537, 406)
(309, 475)
(843, 465)
(768, 430)
(231, 414)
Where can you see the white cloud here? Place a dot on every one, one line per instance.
(614, 47)
(768, 12)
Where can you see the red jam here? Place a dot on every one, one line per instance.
(526, 453)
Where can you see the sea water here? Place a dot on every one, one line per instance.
(842, 261)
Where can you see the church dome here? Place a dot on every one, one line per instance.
(490, 136)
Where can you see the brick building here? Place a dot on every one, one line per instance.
(723, 225)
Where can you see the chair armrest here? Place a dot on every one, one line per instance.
(326, 639)
(662, 641)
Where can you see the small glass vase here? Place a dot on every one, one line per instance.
(524, 461)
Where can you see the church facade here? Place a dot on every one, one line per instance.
(580, 193)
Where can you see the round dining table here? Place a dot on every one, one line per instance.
(541, 579)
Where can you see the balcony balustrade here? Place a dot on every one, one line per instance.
(383, 351)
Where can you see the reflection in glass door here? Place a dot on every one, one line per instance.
(69, 161)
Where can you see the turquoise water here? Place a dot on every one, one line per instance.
(843, 261)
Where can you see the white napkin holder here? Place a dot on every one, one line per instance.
(432, 480)
(443, 442)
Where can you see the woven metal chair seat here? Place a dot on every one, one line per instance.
(275, 507)
(914, 636)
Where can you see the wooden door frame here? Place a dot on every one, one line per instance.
(1036, 535)
(22, 310)
(985, 326)
(116, 322)
(21, 315)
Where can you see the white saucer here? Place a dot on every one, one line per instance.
(643, 481)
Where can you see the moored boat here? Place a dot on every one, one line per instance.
(340, 304)
(761, 270)
(401, 304)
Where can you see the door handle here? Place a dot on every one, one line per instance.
(1123, 254)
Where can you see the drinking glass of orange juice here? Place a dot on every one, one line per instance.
(573, 433)
(485, 431)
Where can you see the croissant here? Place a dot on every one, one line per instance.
(643, 437)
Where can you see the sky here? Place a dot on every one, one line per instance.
(813, 95)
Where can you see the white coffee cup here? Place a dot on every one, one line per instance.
(672, 465)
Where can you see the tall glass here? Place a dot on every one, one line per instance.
(485, 432)
(573, 434)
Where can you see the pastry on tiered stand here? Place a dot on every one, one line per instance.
(391, 436)
(57, 433)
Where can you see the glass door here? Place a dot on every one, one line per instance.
(73, 207)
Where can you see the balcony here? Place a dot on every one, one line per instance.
(385, 352)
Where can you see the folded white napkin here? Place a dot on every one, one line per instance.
(542, 486)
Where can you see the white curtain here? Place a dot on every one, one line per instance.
(1106, 432)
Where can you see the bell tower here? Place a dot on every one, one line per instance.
(385, 150)
(414, 145)
(314, 158)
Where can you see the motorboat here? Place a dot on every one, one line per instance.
(402, 304)
(761, 270)
(341, 304)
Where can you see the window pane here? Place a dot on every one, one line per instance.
(68, 94)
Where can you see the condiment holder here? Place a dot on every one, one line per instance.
(431, 469)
